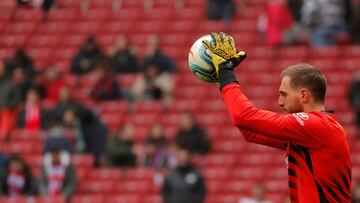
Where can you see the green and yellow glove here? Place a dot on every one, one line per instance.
(224, 57)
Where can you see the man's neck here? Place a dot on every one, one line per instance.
(314, 107)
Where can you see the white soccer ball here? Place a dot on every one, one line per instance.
(200, 62)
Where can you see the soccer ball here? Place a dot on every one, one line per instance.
(200, 62)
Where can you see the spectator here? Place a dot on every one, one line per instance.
(58, 175)
(156, 147)
(52, 84)
(258, 195)
(9, 97)
(72, 123)
(356, 193)
(87, 58)
(16, 179)
(276, 22)
(123, 58)
(92, 129)
(155, 57)
(355, 24)
(121, 149)
(22, 61)
(106, 87)
(67, 102)
(184, 183)
(21, 83)
(153, 84)
(33, 116)
(354, 100)
(191, 136)
(326, 20)
(221, 10)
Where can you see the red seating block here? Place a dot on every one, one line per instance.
(20, 28)
(124, 198)
(43, 41)
(24, 14)
(105, 174)
(83, 160)
(140, 174)
(98, 186)
(96, 14)
(220, 160)
(88, 198)
(13, 41)
(62, 14)
(56, 28)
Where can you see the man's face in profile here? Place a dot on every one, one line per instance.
(289, 97)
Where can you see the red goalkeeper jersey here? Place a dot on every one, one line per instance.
(317, 151)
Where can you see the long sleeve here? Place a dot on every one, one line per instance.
(69, 182)
(298, 128)
(263, 140)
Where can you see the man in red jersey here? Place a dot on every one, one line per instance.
(317, 152)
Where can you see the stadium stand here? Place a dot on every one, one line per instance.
(233, 165)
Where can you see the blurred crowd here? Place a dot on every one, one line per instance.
(41, 101)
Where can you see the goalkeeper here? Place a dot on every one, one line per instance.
(317, 152)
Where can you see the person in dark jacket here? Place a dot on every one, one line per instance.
(191, 136)
(121, 149)
(17, 179)
(184, 184)
(106, 87)
(87, 58)
(123, 59)
(154, 56)
(22, 61)
(156, 147)
(354, 100)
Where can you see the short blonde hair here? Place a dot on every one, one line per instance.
(307, 76)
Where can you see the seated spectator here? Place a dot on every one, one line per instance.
(356, 193)
(22, 61)
(354, 100)
(87, 58)
(220, 9)
(52, 84)
(191, 136)
(16, 180)
(153, 84)
(258, 195)
(155, 57)
(184, 183)
(156, 147)
(123, 58)
(121, 147)
(72, 123)
(67, 102)
(326, 20)
(106, 87)
(355, 24)
(92, 129)
(58, 175)
(9, 97)
(33, 117)
(56, 139)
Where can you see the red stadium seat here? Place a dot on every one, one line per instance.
(24, 14)
(88, 198)
(105, 174)
(62, 15)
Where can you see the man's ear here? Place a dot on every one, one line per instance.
(304, 95)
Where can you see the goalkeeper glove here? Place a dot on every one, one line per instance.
(224, 57)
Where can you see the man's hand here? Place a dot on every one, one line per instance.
(224, 51)
(224, 57)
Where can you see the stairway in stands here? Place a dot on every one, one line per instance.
(234, 165)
